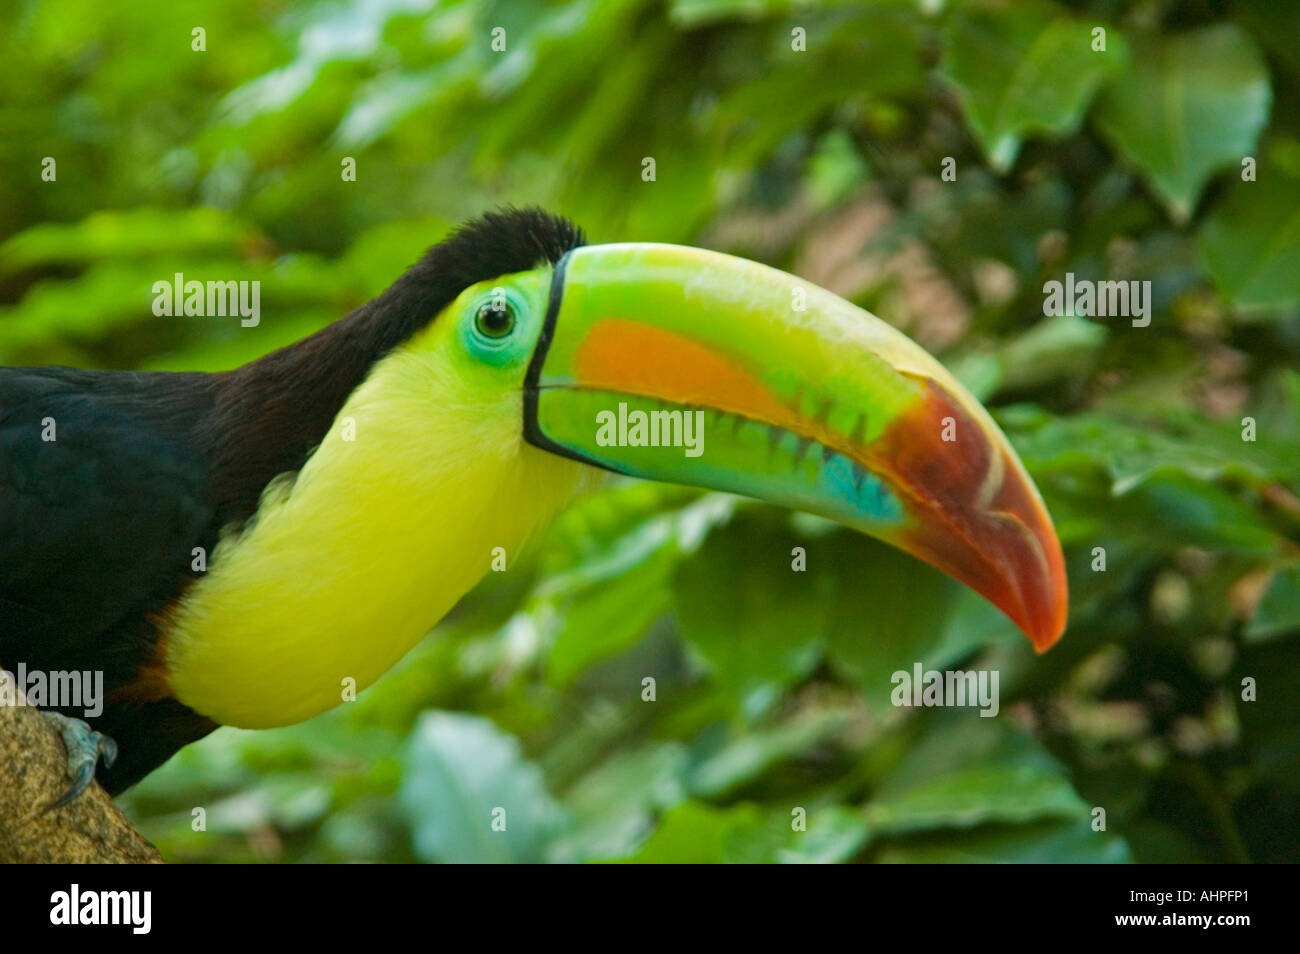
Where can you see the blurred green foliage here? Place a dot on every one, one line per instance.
(772, 687)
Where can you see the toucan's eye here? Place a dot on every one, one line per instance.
(495, 318)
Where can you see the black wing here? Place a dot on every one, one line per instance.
(97, 524)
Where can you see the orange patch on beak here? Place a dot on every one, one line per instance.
(631, 358)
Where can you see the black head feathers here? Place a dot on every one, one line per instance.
(501, 243)
(495, 244)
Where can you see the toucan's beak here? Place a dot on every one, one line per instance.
(694, 367)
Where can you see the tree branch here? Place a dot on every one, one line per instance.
(91, 829)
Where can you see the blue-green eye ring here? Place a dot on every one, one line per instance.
(499, 325)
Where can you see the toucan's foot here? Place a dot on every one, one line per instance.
(85, 747)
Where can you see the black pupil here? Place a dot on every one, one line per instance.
(495, 319)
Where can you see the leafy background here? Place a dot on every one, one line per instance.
(772, 686)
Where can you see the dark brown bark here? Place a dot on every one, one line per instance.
(90, 830)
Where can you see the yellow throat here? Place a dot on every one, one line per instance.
(342, 570)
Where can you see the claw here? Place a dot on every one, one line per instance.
(107, 750)
(80, 782)
(85, 748)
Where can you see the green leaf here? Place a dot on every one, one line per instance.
(613, 806)
(974, 796)
(1250, 244)
(1021, 69)
(696, 833)
(1187, 106)
(1052, 349)
(1170, 481)
(137, 233)
(751, 754)
(835, 170)
(834, 834)
(113, 295)
(889, 611)
(461, 771)
(1175, 510)
(1278, 612)
(1132, 450)
(1046, 842)
(697, 13)
(611, 573)
(755, 621)
(972, 789)
(610, 616)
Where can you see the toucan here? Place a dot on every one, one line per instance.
(346, 491)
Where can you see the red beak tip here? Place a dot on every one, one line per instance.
(1043, 643)
(1044, 638)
